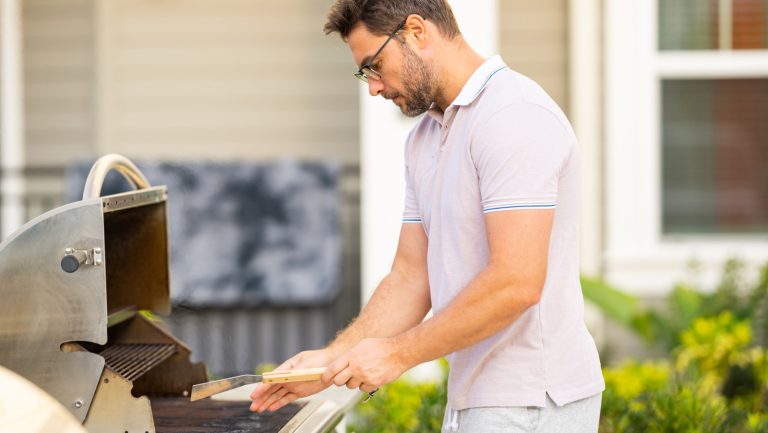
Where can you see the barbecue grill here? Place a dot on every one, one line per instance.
(80, 287)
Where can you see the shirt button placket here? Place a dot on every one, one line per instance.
(449, 115)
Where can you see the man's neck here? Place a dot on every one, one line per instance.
(460, 62)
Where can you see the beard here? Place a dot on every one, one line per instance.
(419, 87)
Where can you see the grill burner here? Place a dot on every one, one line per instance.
(133, 360)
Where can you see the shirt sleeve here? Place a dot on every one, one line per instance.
(519, 154)
(411, 212)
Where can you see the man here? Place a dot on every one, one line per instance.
(489, 239)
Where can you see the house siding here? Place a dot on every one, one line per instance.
(231, 78)
(58, 44)
(534, 41)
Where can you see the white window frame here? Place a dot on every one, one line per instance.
(637, 255)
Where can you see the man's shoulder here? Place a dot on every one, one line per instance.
(510, 87)
(516, 93)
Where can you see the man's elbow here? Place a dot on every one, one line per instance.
(521, 289)
(525, 294)
(533, 286)
(529, 294)
(534, 295)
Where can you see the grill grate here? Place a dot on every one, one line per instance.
(133, 360)
(174, 415)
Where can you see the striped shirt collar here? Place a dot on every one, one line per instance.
(473, 87)
(479, 80)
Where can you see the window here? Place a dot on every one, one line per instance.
(714, 155)
(713, 24)
(686, 138)
(714, 129)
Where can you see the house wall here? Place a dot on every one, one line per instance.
(534, 42)
(59, 91)
(192, 79)
(224, 79)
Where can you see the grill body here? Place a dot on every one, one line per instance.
(43, 307)
(81, 285)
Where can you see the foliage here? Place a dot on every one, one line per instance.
(714, 383)
(403, 406)
(716, 377)
(685, 304)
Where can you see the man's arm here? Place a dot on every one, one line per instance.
(399, 302)
(510, 284)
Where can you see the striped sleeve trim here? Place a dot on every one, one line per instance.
(520, 206)
(412, 220)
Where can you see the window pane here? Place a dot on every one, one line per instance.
(714, 156)
(750, 24)
(688, 24)
(695, 24)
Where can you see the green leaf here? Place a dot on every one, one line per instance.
(686, 306)
(617, 305)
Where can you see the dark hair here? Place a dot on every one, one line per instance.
(383, 16)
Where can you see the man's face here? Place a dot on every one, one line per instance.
(406, 78)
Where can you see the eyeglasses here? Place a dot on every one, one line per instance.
(366, 71)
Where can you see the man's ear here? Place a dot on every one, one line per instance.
(417, 30)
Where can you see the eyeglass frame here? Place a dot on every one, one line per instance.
(361, 73)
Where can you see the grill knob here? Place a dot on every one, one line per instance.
(72, 260)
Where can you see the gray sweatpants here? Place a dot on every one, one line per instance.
(581, 416)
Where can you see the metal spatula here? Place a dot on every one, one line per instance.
(207, 389)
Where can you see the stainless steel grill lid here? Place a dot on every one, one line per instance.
(44, 307)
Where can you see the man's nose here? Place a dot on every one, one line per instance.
(375, 87)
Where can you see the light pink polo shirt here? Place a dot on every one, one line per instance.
(504, 146)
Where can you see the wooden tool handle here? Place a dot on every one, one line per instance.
(301, 375)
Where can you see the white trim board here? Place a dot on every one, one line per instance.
(584, 86)
(712, 64)
(11, 116)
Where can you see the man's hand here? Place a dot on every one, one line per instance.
(372, 363)
(274, 396)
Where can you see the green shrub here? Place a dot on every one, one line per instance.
(715, 379)
(694, 391)
(686, 303)
(687, 393)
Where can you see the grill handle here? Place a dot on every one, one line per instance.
(74, 258)
(103, 166)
